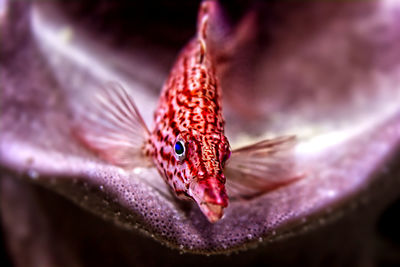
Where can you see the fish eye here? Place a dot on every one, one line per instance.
(179, 149)
(229, 154)
(226, 154)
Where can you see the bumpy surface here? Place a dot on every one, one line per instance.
(333, 82)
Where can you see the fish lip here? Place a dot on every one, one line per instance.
(213, 212)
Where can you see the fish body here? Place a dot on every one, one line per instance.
(187, 144)
(190, 112)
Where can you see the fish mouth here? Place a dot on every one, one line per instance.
(213, 212)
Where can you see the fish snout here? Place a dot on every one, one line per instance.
(212, 212)
(210, 195)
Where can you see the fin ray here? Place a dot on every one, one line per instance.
(261, 167)
(112, 126)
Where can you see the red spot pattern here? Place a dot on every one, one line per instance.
(190, 109)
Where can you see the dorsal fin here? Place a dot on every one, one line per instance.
(202, 24)
(217, 37)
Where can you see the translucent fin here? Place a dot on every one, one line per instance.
(202, 23)
(259, 168)
(110, 125)
(220, 38)
(151, 176)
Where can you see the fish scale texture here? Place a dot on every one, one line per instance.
(36, 145)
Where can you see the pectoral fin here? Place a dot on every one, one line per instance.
(110, 125)
(261, 167)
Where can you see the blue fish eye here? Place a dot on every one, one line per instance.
(179, 148)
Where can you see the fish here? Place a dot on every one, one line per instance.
(187, 144)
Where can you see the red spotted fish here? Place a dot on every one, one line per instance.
(187, 144)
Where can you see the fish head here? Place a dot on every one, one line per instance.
(202, 168)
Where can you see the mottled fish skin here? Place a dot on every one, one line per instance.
(190, 110)
(187, 144)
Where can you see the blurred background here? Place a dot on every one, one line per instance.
(325, 71)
